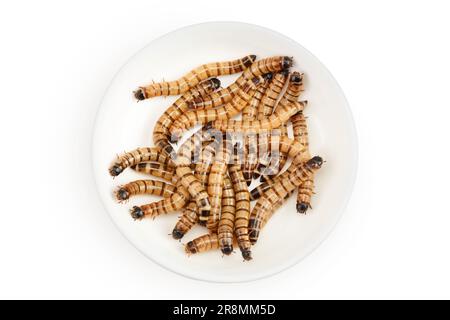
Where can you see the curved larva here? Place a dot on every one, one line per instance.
(276, 195)
(227, 217)
(258, 191)
(202, 244)
(272, 94)
(193, 78)
(136, 156)
(242, 214)
(152, 187)
(281, 116)
(161, 135)
(258, 68)
(203, 167)
(187, 220)
(155, 169)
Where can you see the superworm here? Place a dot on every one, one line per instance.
(274, 197)
(187, 220)
(156, 169)
(242, 210)
(203, 166)
(174, 202)
(281, 115)
(215, 182)
(202, 244)
(161, 134)
(193, 78)
(272, 93)
(258, 191)
(136, 156)
(153, 187)
(227, 217)
(306, 189)
(232, 108)
(187, 178)
(258, 68)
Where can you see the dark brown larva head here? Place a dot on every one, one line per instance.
(285, 73)
(268, 76)
(302, 207)
(139, 94)
(177, 234)
(215, 83)
(227, 249)
(296, 77)
(137, 213)
(315, 162)
(287, 62)
(122, 194)
(190, 247)
(248, 60)
(247, 255)
(115, 170)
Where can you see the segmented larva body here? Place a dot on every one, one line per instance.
(275, 196)
(152, 187)
(250, 112)
(187, 220)
(187, 178)
(258, 191)
(258, 68)
(215, 183)
(227, 217)
(203, 243)
(203, 167)
(242, 215)
(174, 202)
(193, 78)
(161, 134)
(156, 169)
(281, 115)
(306, 189)
(272, 93)
(136, 156)
(194, 117)
(294, 90)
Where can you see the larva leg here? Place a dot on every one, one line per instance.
(203, 243)
(151, 187)
(193, 78)
(227, 217)
(187, 220)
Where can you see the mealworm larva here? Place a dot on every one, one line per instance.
(227, 217)
(215, 182)
(202, 244)
(232, 108)
(250, 157)
(174, 202)
(306, 189)
(187, 178)
(193, 78)
(156, 169)
(258, 68)
(242, 214)
(161, 135)
(258, 191)
(153, 187)
(271, 95)
(187, 220)
(136, 156)
(274, 197)
(281, 115)
(251, 110)
(203, 167)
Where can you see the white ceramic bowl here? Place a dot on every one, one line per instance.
(122, 124)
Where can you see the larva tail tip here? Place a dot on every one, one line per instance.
(139, 94)
(215, 83)
(177, 234)
(268, 76)
(137, 213)
(302, 207)
(253, 57)
(248, 60)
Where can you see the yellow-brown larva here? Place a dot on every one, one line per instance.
(187, 220)
(136, 156)
(152, 187)
(193, 78)
(215, 182)
(203, 166)
(275, 196)
(187, 178)
(202, 116)
(250, 157)
(161, 135)
(258, 191)
(203, 243)
(271, 95)
(174, 202)
(156, 169)
(227, 217)
(281, 115)
(258, 68)
(306, 189)
(242, 214)
(250, 112)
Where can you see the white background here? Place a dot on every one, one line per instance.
(392, 60)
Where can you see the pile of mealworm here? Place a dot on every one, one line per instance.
(209, 175)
